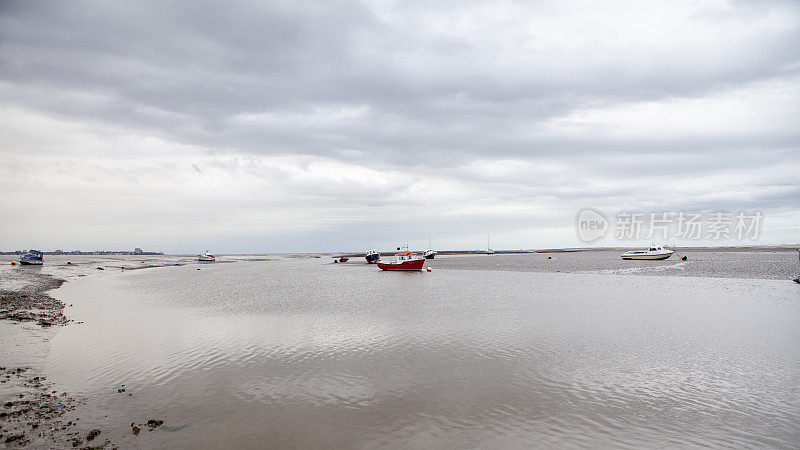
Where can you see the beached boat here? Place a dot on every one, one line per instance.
(206, 257)
(372, 256)
(405, 261)
(652, 253)
(32, 258)
(429, 254)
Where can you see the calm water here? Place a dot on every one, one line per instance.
(304, 353)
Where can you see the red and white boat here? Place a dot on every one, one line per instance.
(405, 260)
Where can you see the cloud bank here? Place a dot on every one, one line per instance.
(283, 126)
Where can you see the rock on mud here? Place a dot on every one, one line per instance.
(93, 434)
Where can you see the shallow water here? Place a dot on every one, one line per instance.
(304, 353)
(772, 265)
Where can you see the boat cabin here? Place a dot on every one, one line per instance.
(407, 256)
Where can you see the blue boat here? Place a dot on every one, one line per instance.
(32, 258)
(372, 256)
(429, 254)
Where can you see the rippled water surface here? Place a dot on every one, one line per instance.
(304, 353)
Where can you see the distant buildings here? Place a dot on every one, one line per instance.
(137, 251)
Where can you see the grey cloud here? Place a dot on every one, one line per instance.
(408, 88)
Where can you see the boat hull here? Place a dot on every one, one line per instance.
(430, 256)
(372, 258)
(645, 257)
(406, 266)
(34, 262)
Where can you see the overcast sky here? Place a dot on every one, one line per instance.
(292, 126)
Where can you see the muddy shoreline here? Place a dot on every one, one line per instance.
(31, 411)
(36, 415)
(31, 301)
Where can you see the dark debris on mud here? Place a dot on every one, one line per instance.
(31, 303)
(34, 414)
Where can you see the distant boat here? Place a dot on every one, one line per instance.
(404, 261)
(206, 257)
(429, 254)
(489, 251)
(652, 253)
(344, 259)
(32, 258)
(372, 256)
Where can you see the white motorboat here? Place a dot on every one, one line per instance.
(652, 253)
(206, 257)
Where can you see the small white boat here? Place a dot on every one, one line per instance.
(206, 257)
(652, 253)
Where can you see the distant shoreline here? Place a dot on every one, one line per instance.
(746, 248)
(89, 253)
(751, 248)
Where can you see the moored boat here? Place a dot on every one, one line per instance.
(653, 253)
(206, 257)
(429, 254)
(372, 256)
(32, 258)
(404, 261)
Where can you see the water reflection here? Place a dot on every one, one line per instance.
(301, 353)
